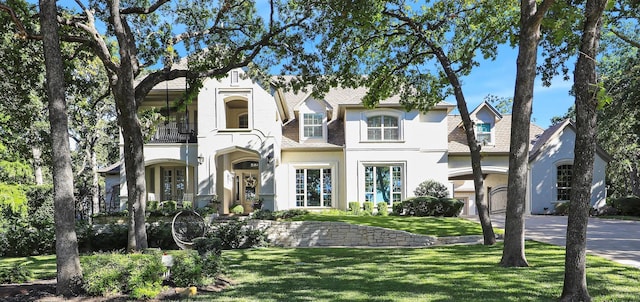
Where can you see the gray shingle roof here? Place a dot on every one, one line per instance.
(458, 139)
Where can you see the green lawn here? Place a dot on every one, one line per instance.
(435, 226)
(448, 273)
(444, 273)
(42, 267)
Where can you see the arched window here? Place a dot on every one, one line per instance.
(564, 175)
(383, 128)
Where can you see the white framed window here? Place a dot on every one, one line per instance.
(483, 133)
(563, 181)
(383, 183)
(383, 128)
(312, 125)
(314, 187)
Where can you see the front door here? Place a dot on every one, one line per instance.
(247, 188)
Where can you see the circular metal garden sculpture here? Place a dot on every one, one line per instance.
(187, 226)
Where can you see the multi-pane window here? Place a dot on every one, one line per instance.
(383, 128)
(173, 184)
(312, 124)
(483, 133)
(564, 181)
(383, 183)
(313, 187)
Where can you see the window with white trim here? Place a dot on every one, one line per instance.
(483, 133)
(314, 187)
(383, 128)
(564, 175)
(383, 183)
(312, 125)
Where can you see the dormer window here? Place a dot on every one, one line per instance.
(312, 127)
(383, 128)
(483, 133)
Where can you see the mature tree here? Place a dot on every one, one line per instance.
(23, 123)
(531, 17)
(619, 126)
(67, 258)
(588, 91)
(93, 127)
(419, 53)
(216, 36)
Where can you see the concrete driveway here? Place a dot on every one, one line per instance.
(617, 240)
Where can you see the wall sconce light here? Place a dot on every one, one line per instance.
(200, 159)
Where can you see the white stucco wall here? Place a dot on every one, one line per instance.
(292, 160)
(421, 150)
(560, 151)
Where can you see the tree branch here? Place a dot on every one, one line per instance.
(625, 38)
(143, 10)
(22, 30)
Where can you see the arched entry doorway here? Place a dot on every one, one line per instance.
(239, 168)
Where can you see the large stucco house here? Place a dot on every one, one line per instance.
(240, 141)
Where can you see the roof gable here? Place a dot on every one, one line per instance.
(553, 132)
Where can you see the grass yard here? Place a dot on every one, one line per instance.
(42, 267)
(445, 273)
(451, 273)
(435, 226)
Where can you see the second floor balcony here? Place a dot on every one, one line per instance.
(175, 132)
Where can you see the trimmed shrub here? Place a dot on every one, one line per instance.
(367, 207)
(431, 206)
(136, 275)
(169, 206)
(22, 237)
(152, 205)
(263, 215)
(16, 273)
(382, 209)
(629, 205)
(234, 234)
(237, 209)
(204, 245)
(159, 236)
(431, 188)
(288, 214)
(187, 269)
(354, 207)
(187, 204)
(397, 208)
(192, 269)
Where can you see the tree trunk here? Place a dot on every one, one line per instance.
(36, 152)
(134, 166)
(474, 148)
(69, 273)
(586, 90)
(513, 254)
(127, 107)
(634, 179)
(95, 183)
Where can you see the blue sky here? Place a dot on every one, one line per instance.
(498, 78)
